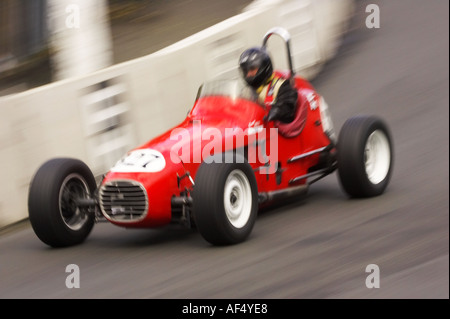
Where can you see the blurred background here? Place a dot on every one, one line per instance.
(317, 248)
(23, 45)
(38, 46)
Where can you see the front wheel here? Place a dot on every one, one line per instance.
(365, 156)
(55, 191)
(225, 201)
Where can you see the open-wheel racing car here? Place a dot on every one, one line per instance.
(216, 169)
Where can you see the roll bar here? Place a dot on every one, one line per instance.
(284, 34)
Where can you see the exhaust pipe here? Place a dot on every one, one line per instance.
(283, 194)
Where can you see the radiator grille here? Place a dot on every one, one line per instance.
(123, 200)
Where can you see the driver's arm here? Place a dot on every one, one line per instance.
(283, 109)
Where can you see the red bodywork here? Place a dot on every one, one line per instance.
(214, 114)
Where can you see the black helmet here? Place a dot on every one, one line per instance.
(258, 59)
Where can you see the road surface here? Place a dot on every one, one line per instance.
(319, 247)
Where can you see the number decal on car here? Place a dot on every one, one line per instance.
(144, 160)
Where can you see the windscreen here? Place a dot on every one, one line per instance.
(235, 89)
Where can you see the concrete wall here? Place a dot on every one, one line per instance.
(98, 117)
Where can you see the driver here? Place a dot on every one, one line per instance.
(272, 89)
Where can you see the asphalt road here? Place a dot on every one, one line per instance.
(318, 247)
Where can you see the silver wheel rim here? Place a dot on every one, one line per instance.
(237, 199)
(377, 157)
(73, 188)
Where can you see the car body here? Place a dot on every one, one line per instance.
(216, 169)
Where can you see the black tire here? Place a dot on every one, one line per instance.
(365, 156)
(54, 216)
(225, 201)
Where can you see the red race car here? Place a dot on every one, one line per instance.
(216, 169)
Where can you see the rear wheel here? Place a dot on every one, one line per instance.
(365, 156)
(225, 201)
(53, 202)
